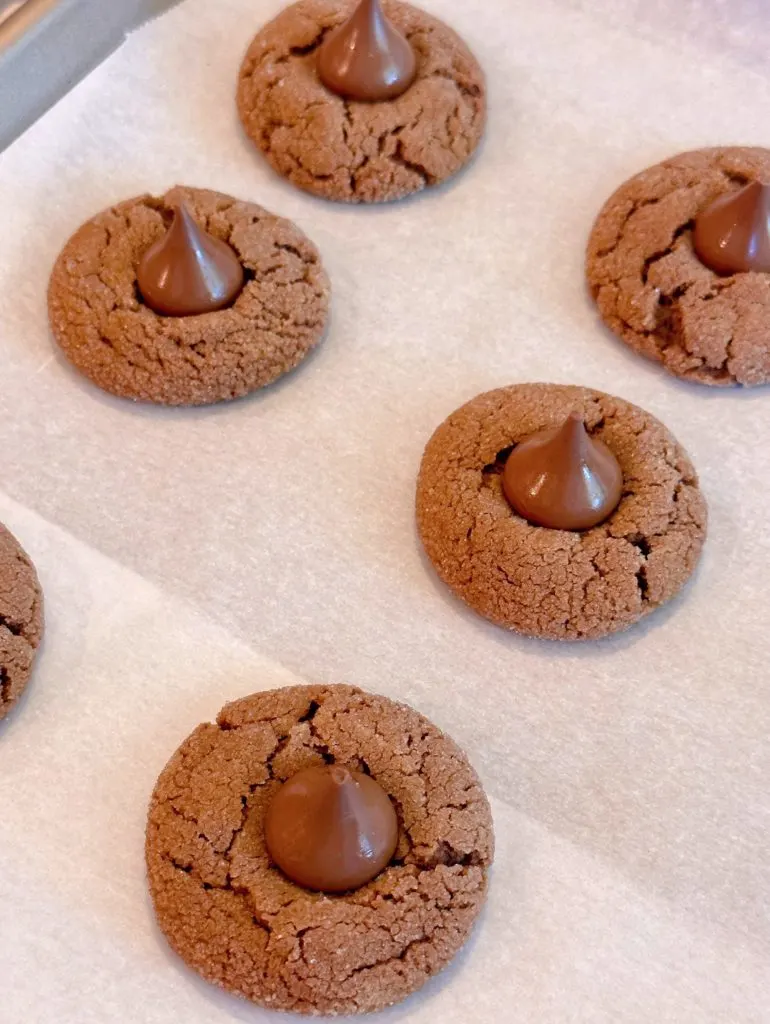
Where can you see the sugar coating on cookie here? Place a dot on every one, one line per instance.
(353, 151)
(547, 583)
(236, 919)
(653, 291)
(105, 329)
(21, 620)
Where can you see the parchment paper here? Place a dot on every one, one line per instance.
(190, 557)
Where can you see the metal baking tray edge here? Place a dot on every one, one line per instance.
(19, 26)
(47, 46)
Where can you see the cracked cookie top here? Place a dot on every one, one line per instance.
(237, 920)
(21, 620)
(105, 329)
(653, 291)
(558, 584)
(360, 152)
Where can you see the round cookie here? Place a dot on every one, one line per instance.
(21, 619)
(106, 330)
(549, 583)
(352, 151)
(653, 291)
(239, 922)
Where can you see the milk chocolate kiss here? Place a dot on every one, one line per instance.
(331, 829)
(733, 233)
(563, 478)
(188, 271)
(366, 58)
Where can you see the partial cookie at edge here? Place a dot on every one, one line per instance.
(109, 334)
(242, 925)
(547, 583)
(21, 620)
(360, 152)
(653, 291)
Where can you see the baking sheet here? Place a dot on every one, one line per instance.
(192, 556)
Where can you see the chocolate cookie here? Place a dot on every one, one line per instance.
(654, 292)
(550, 583)
(106, 330)
(238, 921)
(353, 151)
(21, 620)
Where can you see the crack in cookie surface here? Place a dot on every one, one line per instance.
(653, 291)
(104, 328)
(360, 152)
(21, 620)
(552, 583)
(235, 918)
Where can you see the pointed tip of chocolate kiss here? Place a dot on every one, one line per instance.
(563, 478)
(367, 58)
(181, 217)
(187, 271)
(732, 234)
(573, 426)
(340, 776)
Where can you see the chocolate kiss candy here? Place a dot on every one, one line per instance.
(366, 58)
(563, 478)
(331, 829)
(188, 271)
(733, 233)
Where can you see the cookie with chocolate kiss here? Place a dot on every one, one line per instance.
(21, 620)
(188, 298)
(678, 263)
(584, 582)
(270, 782)
(361, 101)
